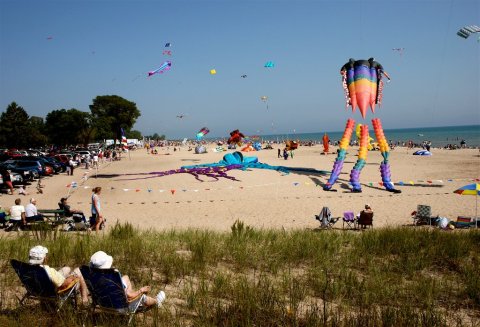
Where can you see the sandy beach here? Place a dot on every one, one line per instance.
(263, 198)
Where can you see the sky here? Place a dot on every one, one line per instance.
(62, 54)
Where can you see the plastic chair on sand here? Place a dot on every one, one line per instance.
(39, 286)
(349, 219)
(108, 295)
(326, 219)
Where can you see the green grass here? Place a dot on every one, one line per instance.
(246, 277)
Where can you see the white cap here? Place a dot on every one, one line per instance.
(37, 254)
(101, 260)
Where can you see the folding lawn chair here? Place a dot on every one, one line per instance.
(326, 219)
(423, 215)
(349, 219)
(108, 294)
(365, 220)
(39, 286)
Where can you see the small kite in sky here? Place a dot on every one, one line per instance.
(49, 37)
(243, 76)
(466, 31)
(213, 71)
(168, 45)
(167, 52)
(204, 131)
(269, 64)
(399, 50)
(264, 98)
(182, 116)
(163, 68)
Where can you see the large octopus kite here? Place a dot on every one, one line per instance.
(363, 85)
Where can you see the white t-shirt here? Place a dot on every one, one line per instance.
(30, 210)
(16, 212)
(95, 158)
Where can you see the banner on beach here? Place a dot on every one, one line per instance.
(173, 191)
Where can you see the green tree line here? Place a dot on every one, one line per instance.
(62, 127)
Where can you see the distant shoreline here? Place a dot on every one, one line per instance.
(439, 136)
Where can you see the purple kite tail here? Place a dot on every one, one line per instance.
(385, 173)
(355, 180)
(337, 169)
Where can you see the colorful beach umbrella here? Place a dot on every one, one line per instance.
(471, 189)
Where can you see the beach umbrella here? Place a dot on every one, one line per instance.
(470, 189)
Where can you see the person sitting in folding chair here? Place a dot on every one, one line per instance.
(101, 260)
(365, 217)
(326, 219)
(61, 278)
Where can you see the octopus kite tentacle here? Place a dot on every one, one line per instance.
(213, 172)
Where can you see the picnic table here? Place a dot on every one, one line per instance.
(54, 216)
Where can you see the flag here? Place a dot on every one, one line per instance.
(124, 139)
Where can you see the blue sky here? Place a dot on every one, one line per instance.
(107, 47)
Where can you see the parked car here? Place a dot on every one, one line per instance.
(27, 174)
(31, 165)
(48, 171)
(83, 155)
(61, 163)
(16, 179)
(65, 158)
(56, 168)
(14, 153)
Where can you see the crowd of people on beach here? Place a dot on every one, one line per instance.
(19, 217)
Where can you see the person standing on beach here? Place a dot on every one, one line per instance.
(7, 180)
(96, 210)
(279, 154)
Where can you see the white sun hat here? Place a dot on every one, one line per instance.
(101, 260)
(37, 254)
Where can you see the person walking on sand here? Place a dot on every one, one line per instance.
(96, 208)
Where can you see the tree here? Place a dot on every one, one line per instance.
(14, 127)
(36, 134)
(71, 126)
(156, 137)
(110, 113)
(133, 134)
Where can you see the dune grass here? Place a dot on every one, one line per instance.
(384, 277)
